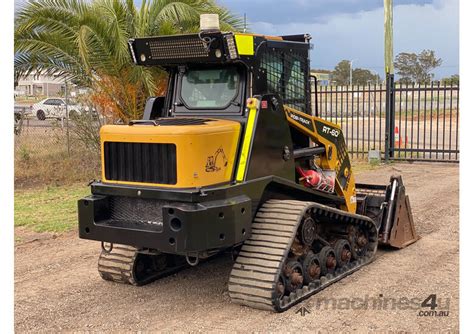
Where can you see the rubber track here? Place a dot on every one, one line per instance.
(256, 271)
(118, 266)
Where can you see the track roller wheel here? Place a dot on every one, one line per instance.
(327, 258)
(276, 267)
(311, 268)
(342, 248)
(307, 230)
(359, 241)
(293, 276)
(147, 266)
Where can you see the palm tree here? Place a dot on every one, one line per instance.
(85, 42)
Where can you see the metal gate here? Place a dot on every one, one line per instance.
(402, 121)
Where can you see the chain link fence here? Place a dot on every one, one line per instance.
(55, 151)
(424, 127)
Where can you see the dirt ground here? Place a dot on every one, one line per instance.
(57, 287)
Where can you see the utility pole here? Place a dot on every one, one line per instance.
(350, 74)
(388, 25)
(245, 22)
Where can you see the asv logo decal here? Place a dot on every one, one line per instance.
(300, 119)
(332, 132)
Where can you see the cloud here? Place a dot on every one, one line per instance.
(353, 29)
(359, 36)
(305, 11)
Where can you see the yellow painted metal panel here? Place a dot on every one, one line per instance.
(324, 160)
(244, 155)
(244, 44)
(195, 146)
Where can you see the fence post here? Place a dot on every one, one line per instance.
(389, 116)
(67, 119)
(392, 115)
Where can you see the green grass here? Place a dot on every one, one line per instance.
(358, 168)
(50, 209)
(54, 208)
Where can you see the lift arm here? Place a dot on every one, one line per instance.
(334, 157)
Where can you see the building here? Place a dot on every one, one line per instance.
(40, 85)
(323, 76)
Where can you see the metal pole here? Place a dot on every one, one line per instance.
(387, 117)
(388, 27)
(67, 119)
(389, 110)
(350, 74)
(392, 115)
(245, 22)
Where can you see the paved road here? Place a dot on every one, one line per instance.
(416, 135)
(47, 123)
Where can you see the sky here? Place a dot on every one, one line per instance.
(353, 29)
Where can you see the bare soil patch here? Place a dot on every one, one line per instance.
(57, 287)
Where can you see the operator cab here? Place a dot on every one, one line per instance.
(212, 90)
(213, 73)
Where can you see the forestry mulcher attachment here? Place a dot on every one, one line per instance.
(235, 157)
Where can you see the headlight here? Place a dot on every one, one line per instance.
(229, 38)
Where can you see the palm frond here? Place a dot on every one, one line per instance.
(87, 41)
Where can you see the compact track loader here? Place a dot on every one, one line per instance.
(235, 157)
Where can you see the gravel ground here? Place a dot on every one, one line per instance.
(57, 287)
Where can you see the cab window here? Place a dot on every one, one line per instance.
(210, 88)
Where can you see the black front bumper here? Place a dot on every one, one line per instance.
(163, 222)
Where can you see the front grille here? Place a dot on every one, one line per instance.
(136, 209)
(140, 162)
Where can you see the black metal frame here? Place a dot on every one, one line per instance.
(214, 218)
(386, 117)
(442, 144)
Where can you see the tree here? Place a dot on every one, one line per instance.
(412, 67)
(86, 42)
(341, 73)
(453, 80)
(362, 76)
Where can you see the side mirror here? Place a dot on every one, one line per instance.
(154, 108)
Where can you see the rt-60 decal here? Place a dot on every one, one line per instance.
(333, 132)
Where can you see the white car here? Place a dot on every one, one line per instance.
(55, 108)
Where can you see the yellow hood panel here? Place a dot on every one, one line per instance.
(205, 153)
